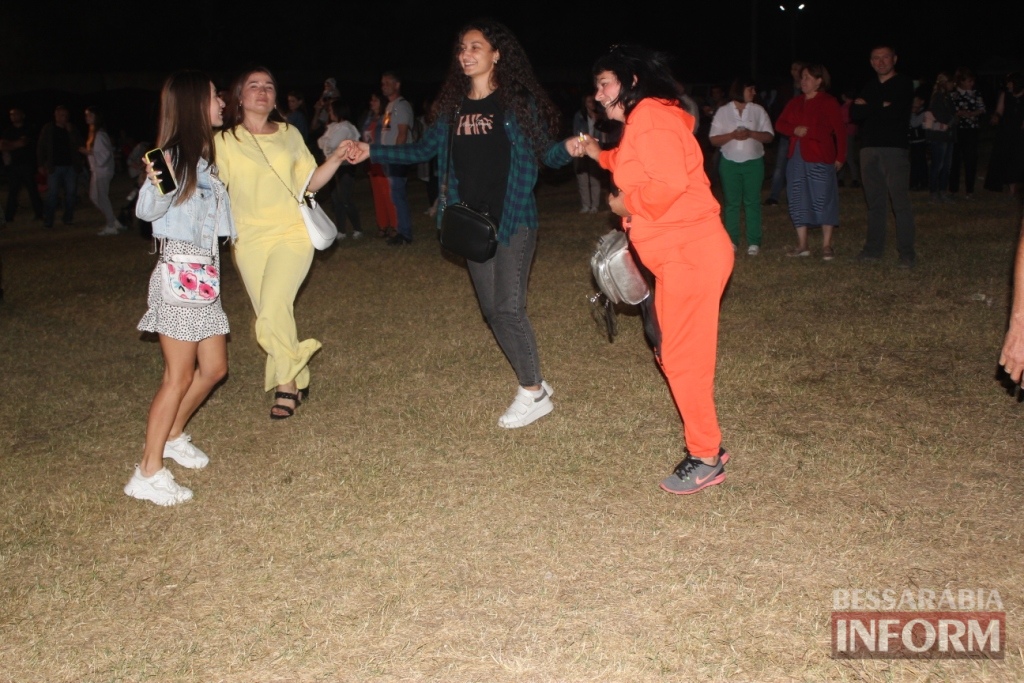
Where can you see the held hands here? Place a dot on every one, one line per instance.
(583, 145)
(741, 134)
(341, 152)
(352, 151)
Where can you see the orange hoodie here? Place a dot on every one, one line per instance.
(659, 168)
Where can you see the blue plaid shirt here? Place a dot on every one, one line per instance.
(520, 204)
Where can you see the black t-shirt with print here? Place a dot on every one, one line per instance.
(481, 154)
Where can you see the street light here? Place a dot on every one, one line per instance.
(793, 10)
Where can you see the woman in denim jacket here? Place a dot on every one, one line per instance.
(186, 221)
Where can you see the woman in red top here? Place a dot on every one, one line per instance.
(817, 150)
(674, 224)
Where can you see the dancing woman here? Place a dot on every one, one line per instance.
(674, 224)
(265, 164)
(503, 125)
(187, 221)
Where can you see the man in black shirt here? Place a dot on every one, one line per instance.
(58, 158)
(18, 145)
(883, 111)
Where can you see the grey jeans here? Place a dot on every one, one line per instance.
(885, 175)
(500, 285)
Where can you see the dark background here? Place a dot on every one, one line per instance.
(116, 54)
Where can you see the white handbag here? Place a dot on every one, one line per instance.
(321, 229)
(189, 280)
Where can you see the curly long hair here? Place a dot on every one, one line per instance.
(517, 86)
(642, 73)
(185, 127)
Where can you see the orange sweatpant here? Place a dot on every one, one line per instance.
(689, 281)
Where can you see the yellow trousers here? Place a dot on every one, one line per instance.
(273, 263)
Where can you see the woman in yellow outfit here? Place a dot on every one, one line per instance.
(265, 164)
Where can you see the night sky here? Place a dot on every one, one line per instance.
(354, 41)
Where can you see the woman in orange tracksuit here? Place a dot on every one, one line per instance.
(674, 224)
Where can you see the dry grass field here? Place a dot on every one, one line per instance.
(391, 531)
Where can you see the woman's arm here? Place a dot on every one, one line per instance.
(786, 122)
(718, 135)
(1000, 105)
(102, 150)
(151, 204)
(666, 159)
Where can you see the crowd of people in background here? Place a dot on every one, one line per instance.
(642, 145)
(50, 165)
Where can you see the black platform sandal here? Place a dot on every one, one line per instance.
(288, 410)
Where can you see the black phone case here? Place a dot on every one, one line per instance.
(167, 183)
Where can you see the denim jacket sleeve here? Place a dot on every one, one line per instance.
(200, 219)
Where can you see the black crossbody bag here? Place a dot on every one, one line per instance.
(465, 231)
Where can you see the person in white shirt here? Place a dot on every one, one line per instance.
(741, 128)
(340, 128)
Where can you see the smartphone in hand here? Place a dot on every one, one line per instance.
(167, 184)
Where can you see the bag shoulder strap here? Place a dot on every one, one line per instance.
(453, 127)
(274, 170)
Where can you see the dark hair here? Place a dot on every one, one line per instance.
(186, 130)
(884, 46)
(739, 85)
(518, 90)
(393, 75)
(298, 95)
(98, 117)
(233, 114)
(341, 110)
(819, 71)
(963, 74)
(642, 73)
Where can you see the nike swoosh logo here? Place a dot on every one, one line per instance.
(701, 481)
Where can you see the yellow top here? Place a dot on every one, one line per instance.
(258, 198)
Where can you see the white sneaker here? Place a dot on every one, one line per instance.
(342, 236)
(182, 451)
(356, 234)
(160, 488)
(526, 408)
(753, 250)
(108, 231)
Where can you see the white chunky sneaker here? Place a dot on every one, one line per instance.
(182, 451)
(160, 488)
(526, 408)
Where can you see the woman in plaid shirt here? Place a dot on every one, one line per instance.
(504, 125)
